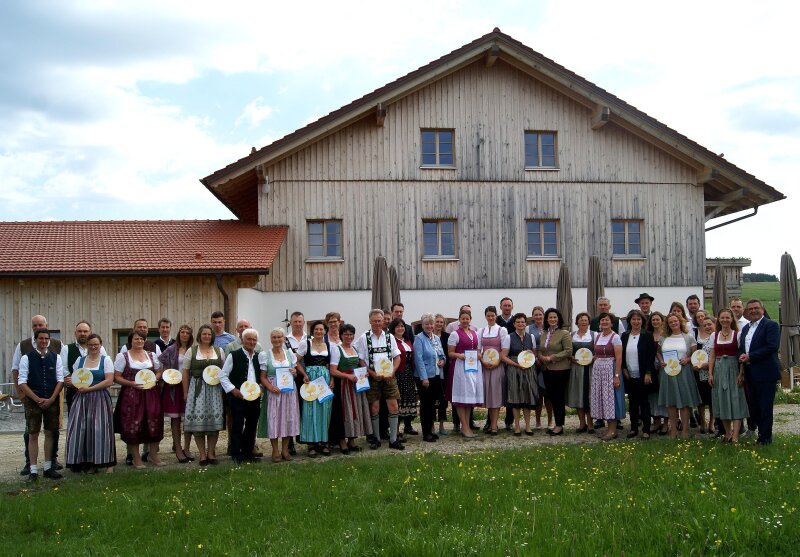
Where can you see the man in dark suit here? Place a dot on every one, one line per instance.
(758, 351)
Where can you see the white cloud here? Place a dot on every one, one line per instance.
(254, 113)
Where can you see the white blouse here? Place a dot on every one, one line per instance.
(494, 331)
(301, 350)
(119, 363)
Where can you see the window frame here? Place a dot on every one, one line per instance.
(439, 256)
(324, 258)
(627, 233)
(538, 153)
(543, 256)
(437, 154)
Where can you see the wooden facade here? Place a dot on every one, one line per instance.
(369, 176)
(110, 304)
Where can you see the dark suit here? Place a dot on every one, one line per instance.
(762, 372)
(638, 401)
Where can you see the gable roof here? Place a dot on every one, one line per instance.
(727, 188)
(192, 247)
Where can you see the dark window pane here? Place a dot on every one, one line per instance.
(633, 227)
(334, 250)
(446, 226)
(548, 139)
(445, 149)
(429, 228)
(333, 227)
(634, 238)
(531, 139)
(619, 249)
(315, 240)
(431, 247)
(445, 137)
(548, 150)
(531, 159)
(548, 161)
(549, 226)
(428, 159)
(446, 159)
(448, 246)
(315, 228)
(428, 136)
(550, 249)
(617, 226)
(634, 249)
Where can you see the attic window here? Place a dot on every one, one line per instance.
(437, 148)
(540, 150)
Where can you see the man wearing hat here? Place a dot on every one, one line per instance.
(645, 303)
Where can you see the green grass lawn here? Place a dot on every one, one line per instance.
(656, 498)
(767, 292)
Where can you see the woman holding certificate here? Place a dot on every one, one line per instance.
(428, 365)
(466, 391)
(281, 421)
(555, 353)
(494, 343)
(678, 388)
(205, 413)
(522, 388)
(606, 375)
(349, 375)
(315, 352)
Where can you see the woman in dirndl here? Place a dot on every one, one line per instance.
(466, 387)
(138, 417)
(726, 376)
(580, 378)
(280, 414)
(205, 413)
(522, 386)
(172, 395)
(354, 408)
(405, 378)
(495, 337)
(90, 428)
(606, 376)
(316, 355)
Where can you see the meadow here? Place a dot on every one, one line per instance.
(623, 498)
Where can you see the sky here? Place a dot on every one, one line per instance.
(115, 110)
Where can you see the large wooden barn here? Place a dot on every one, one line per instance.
(476, 176)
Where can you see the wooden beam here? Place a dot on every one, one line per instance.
(492, 55)
(723, 202)
(707, 175)
(380, 114)
(600, 116)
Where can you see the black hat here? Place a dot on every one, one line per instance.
(642, 296)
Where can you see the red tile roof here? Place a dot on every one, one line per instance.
(137, 247)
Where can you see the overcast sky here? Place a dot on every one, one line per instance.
(113, 110)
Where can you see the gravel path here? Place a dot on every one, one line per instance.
(787, 420)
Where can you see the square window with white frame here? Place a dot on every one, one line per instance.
(325, 239)
(540, 150)
(439, 239)
(626, 238)
(543, 238)
(437, 148)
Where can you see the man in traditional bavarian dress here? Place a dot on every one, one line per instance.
(375, 347)
(242, 365)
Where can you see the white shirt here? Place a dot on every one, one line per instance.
(119, 363)
(125, 349)
(303, 348)
(632, 355)
(105, 363)
(227, 367)
(23, 369)
(742, 322)
(336, 355)
(265, 355)
(294, 342)
(377, 342)
(491, 332)
(750, 332)
(453, 325)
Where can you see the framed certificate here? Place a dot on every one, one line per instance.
(470, 361)
(323, 390)
(363, 379)
(672, 364)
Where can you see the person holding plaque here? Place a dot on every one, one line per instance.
(428, 369)
(494, 341)
(466, 389)
(704, 334)
(678, 388)
(659, 413)
(606, 375)
(523, 388)
(378, 349)
(353, 415)
(581, 372)
(90, 428)
(238, 378)
(280, 415)
(205, 413)
(138, 417)
(555, 353)
(172, 395)
(316, 357)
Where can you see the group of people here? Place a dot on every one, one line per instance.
(330, 388)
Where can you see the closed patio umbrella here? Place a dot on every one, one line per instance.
(595, 288)
(719, 296)
(564, 295)
(790, 314)
(381, 288)
(394, 285)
